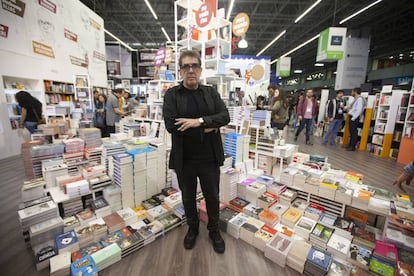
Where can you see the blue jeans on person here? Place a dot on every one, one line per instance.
(308, 123)
(31, 126)
(333, 129)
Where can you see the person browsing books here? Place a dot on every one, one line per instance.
(31, 110)
(113, 110)
(193, 114)
(405, 177)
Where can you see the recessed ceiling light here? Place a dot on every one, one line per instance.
(401, 55)
(319, 64)
(280, 78)
(334, 73)
(309, 78)
(412, 52)
(391, 57)
(297, 71)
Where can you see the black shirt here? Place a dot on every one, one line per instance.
(34, 111)
(197, 147)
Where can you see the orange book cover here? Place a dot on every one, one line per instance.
(357, 216)
(268, 215)
(353, 175)
(365, 195)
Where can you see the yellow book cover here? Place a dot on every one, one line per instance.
(140, 211)
(403, 197)
(362, 194)
(292, 215)
(328, 183)
(353, 176)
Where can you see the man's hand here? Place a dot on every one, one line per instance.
(208, 130)
(401, 179)
(331, 119)
(186, 123)
(300, 118)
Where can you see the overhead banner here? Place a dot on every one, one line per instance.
(241, 24)
(283, 67)
(331, 44)
(205, 13)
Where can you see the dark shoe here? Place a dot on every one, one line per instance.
(350, 149)
(295, 139)
(218, 242)
(190, 238)
(309, 143)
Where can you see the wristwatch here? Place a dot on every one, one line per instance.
(201, 120)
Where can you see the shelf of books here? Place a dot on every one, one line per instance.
(83, 93)
(406, 151)
(385, 141)
(367, 125)
(56, 92)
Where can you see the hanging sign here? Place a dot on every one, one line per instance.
(241, 24)
(204, 15)
(331, 44)
(159, 57)
(168, 56)
(283, 67)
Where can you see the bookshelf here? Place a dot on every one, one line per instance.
(101, 90)
(83, 93)
(374, 113)
(406, 151)
(56, 91)
(383, 138)
(367, 126)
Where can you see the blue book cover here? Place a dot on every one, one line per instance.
(66, 239)
(83, 267)
(320, 258)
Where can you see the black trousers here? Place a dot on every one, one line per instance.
(110, 129)
(209, 175)
(305, 122)
(353, 132)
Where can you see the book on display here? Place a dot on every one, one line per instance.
(237, 204)
(328, 220)
(344, 227)
(297, 255)
(266, 200)
(249, 229)
(170, 221)
(101, 207)
(314, 211)
(45, 230)
(234, 225)
(67, 242)
(225, 216)
(287, 197)
(269, 218)
(174, 200)
(128, 215)
(277, 249)
(114, 222)
(359, 255)
(253, 191)
(84, 234)
(318, 262)
(304, 227)
(364, 237)
(263, 236)
(242, 187)
(43, 252)
(60, 264)
(276, 188)
(320, 235)
(107, 256)
(33, 189)
(279, 209)
(69, 223)
(98, 229)
(299, 204)
(339, 246)
(157, 212)
(252, 210)
(291, 217)
(340, 268)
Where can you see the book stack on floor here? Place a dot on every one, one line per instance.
(60, 264)
(84, 266)
(304, 227)
(150, 203)
(278, 248)
(43, 252)
(101, 207)
(77, 188)
(344, 227)
(170, 221)
(263, 236)
(91, 136)
(267, 200)
(180, 212)
(114, 222)
(115, 237)
(314, 211)
(287, 197)
(44, 152)
(242, 187)
(237, 204)
(228, 184)
(98, 229)
(234, 225)
(320, 236)
(33, 189)
(27, 160)
(297, 255)
(276, 188)
(157, 212)
(151, 231)
(361, 199)
(128, 215)
(99, 182)
(384, 259)
(107, 256)
(327, 188)
(132, 243)
(252, 210)
(225, 216)
(67, 242)
(300, 205)
(139, 156)
(174, 200)
(318, 262)
(84, 234)
(122, 172)
(109, 149)
(45, 231)
(249, 229)
(339, 246)
(69, 223)
(94, 155)
(253, 191)
(152, 172)
(112, 194)
(291, 217)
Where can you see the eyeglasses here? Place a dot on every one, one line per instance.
(187, 67)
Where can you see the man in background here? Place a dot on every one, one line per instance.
(113, 110)
(307, 110)
(354, 115)
(335, 117)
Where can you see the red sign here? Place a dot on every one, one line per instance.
(159, 57)
(70, 35)
(50, 6)
(203, 16)
(4, 30)
(16, 6)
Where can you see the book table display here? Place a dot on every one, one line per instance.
(314, 219)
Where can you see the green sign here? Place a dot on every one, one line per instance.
(283, 67)
(331, 44)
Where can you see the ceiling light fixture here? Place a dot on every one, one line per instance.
(119, 40)
(309, 78)
(166, 35)
(242, 43)
(391, 57)
(319, 64)
(271, 42)
(401, 55)
(297, 71)
(298, 47)
(151, 10)
(308, 10)
(230, 9)
(358, 12)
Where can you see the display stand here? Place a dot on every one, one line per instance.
(365, 133)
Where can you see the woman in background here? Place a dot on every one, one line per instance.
(260, 103)
(129, 102)
(100, 115)
(279, 110)
(31, 110)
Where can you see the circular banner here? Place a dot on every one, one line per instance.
(203, 16)
(241, 24)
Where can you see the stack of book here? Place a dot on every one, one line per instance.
(291, 217)
(297, 255)
(128, 215)
(344, 227)
(85, 235)
(249, 229)
(60, 264)
(320, 236)
(364, 237)
(266, 200)
(72, 206)
(344, 194)
(327, 188)
(85, 216)
(287, 197)
(107, 256)
(405, 262)
(115, 237)
(150, 203)
(233, 146)
(69, 223)
(151, 231)
(252, 210)
(300, 205)
(314, 211)
(84, 266)
(98, 229)
(109, 149)
(101, 207)
(242, 187)
(40, 153)
(361, 199)
(328, 220)
(174, 200)
(263, 236)
(225, 216)
(93, 155)
(157, 212)
(318, 262)
(33, 189)
(237, 204)
(339, 246)
(228, 184)
(99, 182)
(269, 218)
(341, 268)
(89, 172)
(63, 180)
(114, 222)
(51, 171)
(43, 252)
(139, 156)
(359, 255)
(234, 225)
(279, 209)
(87, 250)
(276, 188)
(122, 172)
(45, 231)
(112, 195)
(304, 227)
(180, 212)
(384, 259)
(300, 179)
(152, 172)
(278, 248)
(67, 242)
(287, 176)
(167, 191)
(403, 200)
(77, 188)
(312, 185)
(27, 158)
(91, 136)
(170, 221)
(132, 243)
(160, 197)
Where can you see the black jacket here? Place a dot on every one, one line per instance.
(175, 105)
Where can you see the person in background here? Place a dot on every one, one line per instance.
(113, 110)
(291, 110)
(271, 95)
(307, 110)
(193, 114)
(405, 177)
(354, 114)
(296, 116)
(260, 103)
(279, 110)
(31, 110)
(95, 98)
(100, 115)
(129, 103)
(335, 117)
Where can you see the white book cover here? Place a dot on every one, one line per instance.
(45, 225)
(339, 243)
(36, 210)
